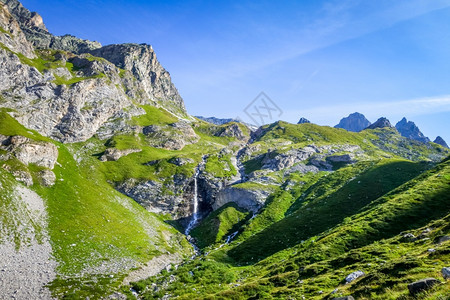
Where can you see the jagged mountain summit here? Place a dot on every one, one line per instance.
(71, 97)
(410, 130)
(354, 122)
(381, 123)
(36, 32)
(439, 140)
(303, 121)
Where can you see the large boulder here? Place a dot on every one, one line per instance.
(422, 285)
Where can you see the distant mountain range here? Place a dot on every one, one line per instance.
(357, 122)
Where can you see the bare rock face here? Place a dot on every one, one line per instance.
(35, 31)
(410, 130)
(93, 97)
(151, 77)
(380, 123)
(47, 178)
(251, 200)
(439, 140)
(24, 16)
(13, 37)
(153, 196)
(354, 122)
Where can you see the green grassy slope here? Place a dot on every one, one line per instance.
(368, 240)
(94, 230)
(219, 224)
(326, 204)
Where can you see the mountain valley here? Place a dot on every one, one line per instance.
(110, 189)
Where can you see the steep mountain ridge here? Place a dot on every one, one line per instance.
(410, 130)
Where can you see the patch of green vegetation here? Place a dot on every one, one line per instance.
(219, 224)
(62, 80)
(9, 127)
(253, 164)
(154, 116)
(3, 30)
(249, 185)
(278, 203)
(220, 166)
(311, 133)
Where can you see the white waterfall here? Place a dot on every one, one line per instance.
(195, 212)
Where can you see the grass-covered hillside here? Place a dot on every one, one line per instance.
(318, 249)
(322, 192)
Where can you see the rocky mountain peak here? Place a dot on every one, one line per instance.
(33, 27)
(381, 123)
(441, 142)
(152, 78)
(354, 122)
(303, 121)
(26, 18)
(410, 130)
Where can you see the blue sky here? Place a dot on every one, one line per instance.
(319, 59)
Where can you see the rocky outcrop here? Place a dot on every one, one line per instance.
(35, 31)
(354, 122)
(11, 36)
(172, 137)
(410, 130)
(152, 79)
(42, 154)
(233, 130)
(441, 142)
(249, 199)
(25, 18)
(288, 159)
(303, 121)
(380, 123)
(154, 195)
(27, 151)
(422, 285)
